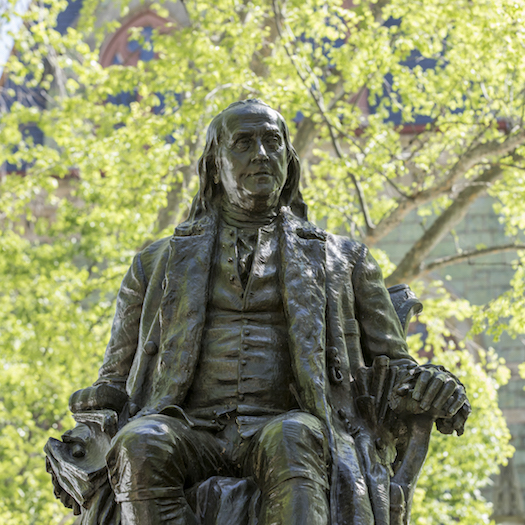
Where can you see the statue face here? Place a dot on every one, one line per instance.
(253, 157)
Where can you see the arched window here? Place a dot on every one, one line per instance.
(122, 50)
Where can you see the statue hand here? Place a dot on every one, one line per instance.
(98, 397)
(439, 391)
(433, 390)
(456, 422)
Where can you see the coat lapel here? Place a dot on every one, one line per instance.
(183, 307)
(303, 275)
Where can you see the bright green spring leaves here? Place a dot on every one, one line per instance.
(92, 193)
(456, 468)
(448, 491)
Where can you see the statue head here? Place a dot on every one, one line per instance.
(249, 157)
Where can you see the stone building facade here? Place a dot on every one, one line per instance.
(479, 281)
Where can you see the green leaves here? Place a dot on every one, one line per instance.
(112, 175)
(448, 490)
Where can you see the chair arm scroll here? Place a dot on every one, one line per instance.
(77, 464)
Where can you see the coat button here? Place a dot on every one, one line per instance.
(151, 348)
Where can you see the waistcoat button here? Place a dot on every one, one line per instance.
(151, 348)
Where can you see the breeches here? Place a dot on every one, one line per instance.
(156, 457)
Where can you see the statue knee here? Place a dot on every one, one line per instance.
(137, 437)
(142, 451)
(294, 428)
(294, 445)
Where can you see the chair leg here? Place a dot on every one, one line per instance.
(409, 467)
(398, 506)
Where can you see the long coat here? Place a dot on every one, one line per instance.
(339, 317)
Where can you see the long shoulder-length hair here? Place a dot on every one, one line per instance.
(210, 188)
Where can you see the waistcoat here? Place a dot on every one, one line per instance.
(244, 364)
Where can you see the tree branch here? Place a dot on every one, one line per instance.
(472, 157)
(308, 129)
(412, 263)
(504, 164)
(396, 187)
(306, 133)
(466, 255)
(317, 96)
(167, 216)
(466, 162)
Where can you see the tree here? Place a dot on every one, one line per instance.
(88, 197)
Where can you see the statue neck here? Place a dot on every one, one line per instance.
(241, 218)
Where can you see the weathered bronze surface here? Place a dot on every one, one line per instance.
(257, 370)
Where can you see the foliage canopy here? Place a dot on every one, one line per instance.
(110, 177)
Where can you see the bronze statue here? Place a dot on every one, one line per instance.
(257, 370)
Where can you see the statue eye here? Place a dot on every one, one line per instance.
(273, 141)
(242, 144)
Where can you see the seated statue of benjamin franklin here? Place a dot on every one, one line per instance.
(253, 345)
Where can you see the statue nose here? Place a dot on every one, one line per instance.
(260, 151)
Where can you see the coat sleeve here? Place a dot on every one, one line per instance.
(124, 339)
(109, 391)
(381, 331)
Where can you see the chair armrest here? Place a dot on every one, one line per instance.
(78, 463)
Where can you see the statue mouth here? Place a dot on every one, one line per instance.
(260, 174)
